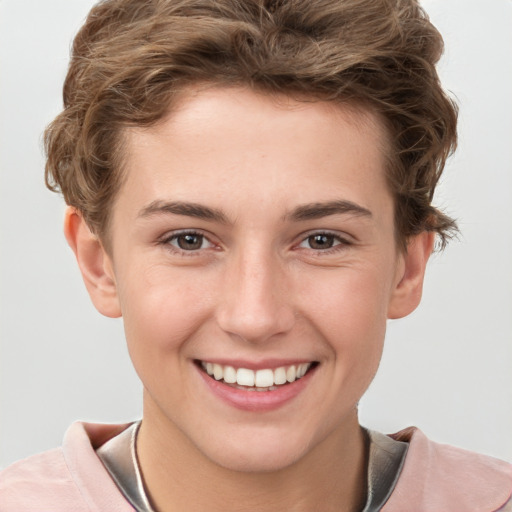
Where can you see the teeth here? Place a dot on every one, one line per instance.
(218, 373)
(264, 378)
(229, 375)
(244, 377)
(280, 376)
(260, 380)
(291, 374)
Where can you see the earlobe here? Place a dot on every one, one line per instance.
(94, 262)
(407, 292)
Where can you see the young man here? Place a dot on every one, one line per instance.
(249, 187)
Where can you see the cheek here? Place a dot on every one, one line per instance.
(349, 311)
(350, 301)
(162, 308)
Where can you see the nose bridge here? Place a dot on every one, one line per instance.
(254, 303)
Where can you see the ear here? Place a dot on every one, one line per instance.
(94, 262)
(407, 292)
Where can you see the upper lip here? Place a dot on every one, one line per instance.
(256, 365)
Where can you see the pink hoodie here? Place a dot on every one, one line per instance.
(435, 478)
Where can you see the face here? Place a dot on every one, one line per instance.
(254, 262)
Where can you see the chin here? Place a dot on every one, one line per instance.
(260, 455)
(256, 462)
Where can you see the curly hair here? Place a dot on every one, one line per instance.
(131, 59)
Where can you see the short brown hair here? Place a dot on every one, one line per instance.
(131, 58)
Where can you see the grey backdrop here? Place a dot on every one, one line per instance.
(447, 368)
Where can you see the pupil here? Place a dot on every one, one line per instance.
(321, 241)
(190, 242)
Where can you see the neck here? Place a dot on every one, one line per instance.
(178, 476)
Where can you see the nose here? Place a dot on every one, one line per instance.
(255, 302)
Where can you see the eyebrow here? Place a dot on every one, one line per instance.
(303, 212)
(196, 210)
(318, 210)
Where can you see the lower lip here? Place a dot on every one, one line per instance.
(257, 401)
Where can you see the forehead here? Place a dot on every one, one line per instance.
(209, 107)
(223, 144)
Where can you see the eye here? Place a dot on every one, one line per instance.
(324, 242)
(188, 241)
(321, 241)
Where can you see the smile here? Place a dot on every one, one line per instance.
(266, 379)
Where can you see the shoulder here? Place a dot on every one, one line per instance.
(442, 477)
(39, 482)
(63, 479)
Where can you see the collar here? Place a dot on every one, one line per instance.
(119, 456)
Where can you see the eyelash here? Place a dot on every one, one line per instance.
(340, 242)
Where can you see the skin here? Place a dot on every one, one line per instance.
(256, 287)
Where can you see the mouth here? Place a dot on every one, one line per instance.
(265, 379)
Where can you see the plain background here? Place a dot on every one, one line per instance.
(446, 368)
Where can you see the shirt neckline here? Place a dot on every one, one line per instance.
(385, 461)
